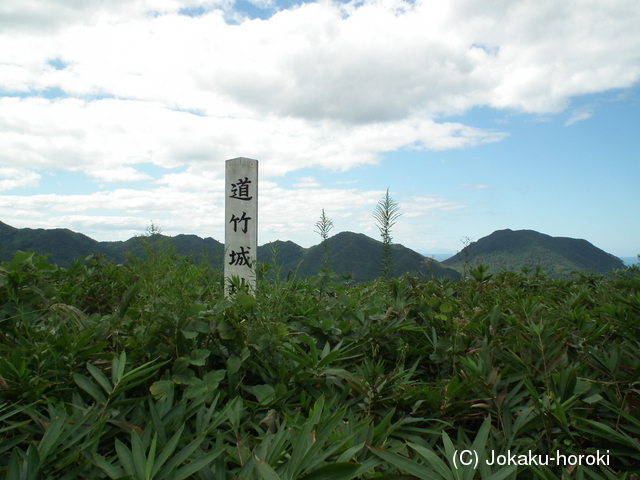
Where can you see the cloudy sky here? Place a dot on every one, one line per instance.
(477, 116)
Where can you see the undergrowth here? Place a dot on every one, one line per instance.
(145, 370)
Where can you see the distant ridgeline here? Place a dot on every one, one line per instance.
(350, 253)
(556, 256)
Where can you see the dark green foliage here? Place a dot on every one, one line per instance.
(356, 255)
(145, 370)
(324, 226)
(63, 246)
(386, 213)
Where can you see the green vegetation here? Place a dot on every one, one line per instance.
(386, 213)
(324, 226)
(145, 370)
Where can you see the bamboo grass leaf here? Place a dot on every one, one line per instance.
(304, 441)
(113, 471)
(13, 468)
(91, 388)
(51, 435)
(434, 461)
(407, 465)
(265, 470)
(503, 473)
(99, 377)
(167, 451)
(196, 465)
(126, 458)
(151, 458)
(12, 442)
(350, 452)
(136, 376)
(139, 457)
(33, 462)
(334, 471)
(183, 455)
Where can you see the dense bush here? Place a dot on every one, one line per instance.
(145, 370)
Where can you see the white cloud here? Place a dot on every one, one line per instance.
(11, 178)
(416, 206)
(306, 182)
(321, 85)
(288, 214)
(324, 84)
(41, 17)
(579, 115)
(105, 137)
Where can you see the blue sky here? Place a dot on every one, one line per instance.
(476, 116)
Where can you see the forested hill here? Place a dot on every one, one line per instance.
(512, 250)
(61, 244)
(350, 253)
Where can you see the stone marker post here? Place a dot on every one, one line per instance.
(241, 222)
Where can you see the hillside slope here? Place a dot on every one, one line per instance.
(61, 244)
(355, 254)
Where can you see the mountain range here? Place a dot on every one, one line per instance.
(350, 253)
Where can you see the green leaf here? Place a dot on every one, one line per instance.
(234, 363)
(136, 376)
(51, 435)
(406, 465)
(195, 391)
(91, 388)
(214, 377)
(13, 469)
(432, 459)
(186, 379)
(592, 399)
(167, 451)
(226, 331)
(199, 357)
(152, 457)
(181, 367)
(113, 471)
(245, 300)
(196, 465)
(446, 307)
(503, 473)
(118, 365)
(100, 378)
(350, 452)
(265, 470)
(189, 334)
(334, 471)
(162, 388)
(125, 457)
(261, 392)
(33, 462)
(12, 442)
(183, 455)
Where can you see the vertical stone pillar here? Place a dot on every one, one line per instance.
(241, 222)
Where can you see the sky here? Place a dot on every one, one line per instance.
(476, 116)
